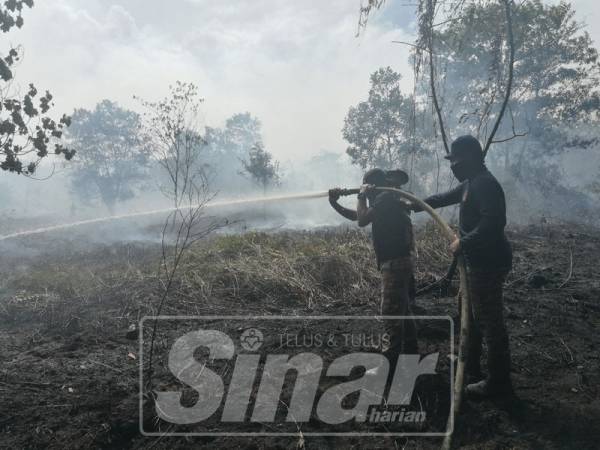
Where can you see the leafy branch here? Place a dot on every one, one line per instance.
(26, 132)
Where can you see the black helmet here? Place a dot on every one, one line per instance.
(466, 148)
(375, 177)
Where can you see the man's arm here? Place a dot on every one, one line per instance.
(349, 214)
(451, 197)
(364, 213)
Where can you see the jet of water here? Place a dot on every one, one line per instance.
(211, 204)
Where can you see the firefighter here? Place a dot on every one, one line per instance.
(397, 178)
(392, 235)
(488, 257)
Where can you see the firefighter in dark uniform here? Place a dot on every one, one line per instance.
(488, 257)
(393, 242)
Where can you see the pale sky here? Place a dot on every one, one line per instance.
(295, 64)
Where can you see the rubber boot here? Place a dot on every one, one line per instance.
(473, 371)
(498, 382)
(489, 389)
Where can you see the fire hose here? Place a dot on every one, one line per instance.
(464, 304)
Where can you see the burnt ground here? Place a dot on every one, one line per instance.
(69, 367)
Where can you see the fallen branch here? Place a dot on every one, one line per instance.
(527, 275)
(570, 270)
(571, 358)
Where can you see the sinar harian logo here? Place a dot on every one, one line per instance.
(271, 370)
(280, 375)
(251, 339)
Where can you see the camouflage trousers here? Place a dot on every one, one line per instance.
(487, 319)
(396, 281)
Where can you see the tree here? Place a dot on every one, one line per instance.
(112, 156)
(556, 66)
(242, 131)
(261, 167)
(26, 131)
(378, 130)
(171, 127)
(227, 146)
(555, 95)
(542, 105)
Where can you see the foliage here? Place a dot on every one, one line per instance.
(242, 131)
(555, 98)
(556, 71)
(228, 146)
(365, 10)
(26, 131)
(112, 156)
(378, 130)
(261, 167)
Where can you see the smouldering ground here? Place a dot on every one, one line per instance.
(68, 377)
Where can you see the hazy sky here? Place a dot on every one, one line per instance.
(296, 64)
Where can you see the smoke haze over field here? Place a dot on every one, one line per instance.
(296, 66)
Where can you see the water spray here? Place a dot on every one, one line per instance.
(210, 204)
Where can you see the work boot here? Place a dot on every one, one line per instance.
(473, 371)
(474, 376)
(487, 389)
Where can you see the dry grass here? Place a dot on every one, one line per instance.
(297, 270)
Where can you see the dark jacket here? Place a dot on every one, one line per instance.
(391, 228)
(482, 221)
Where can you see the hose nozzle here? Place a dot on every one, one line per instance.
(346, 192)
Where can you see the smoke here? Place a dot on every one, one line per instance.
(539, 179)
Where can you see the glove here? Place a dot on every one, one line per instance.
(365, 190)
(334, 194)
(413, 207)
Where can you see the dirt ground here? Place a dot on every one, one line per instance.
(69, 367)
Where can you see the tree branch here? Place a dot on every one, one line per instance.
(516, 135)
(430, 14)
(511, 64)
(411, 45)
(514, 132)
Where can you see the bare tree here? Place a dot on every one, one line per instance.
(173, 129)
